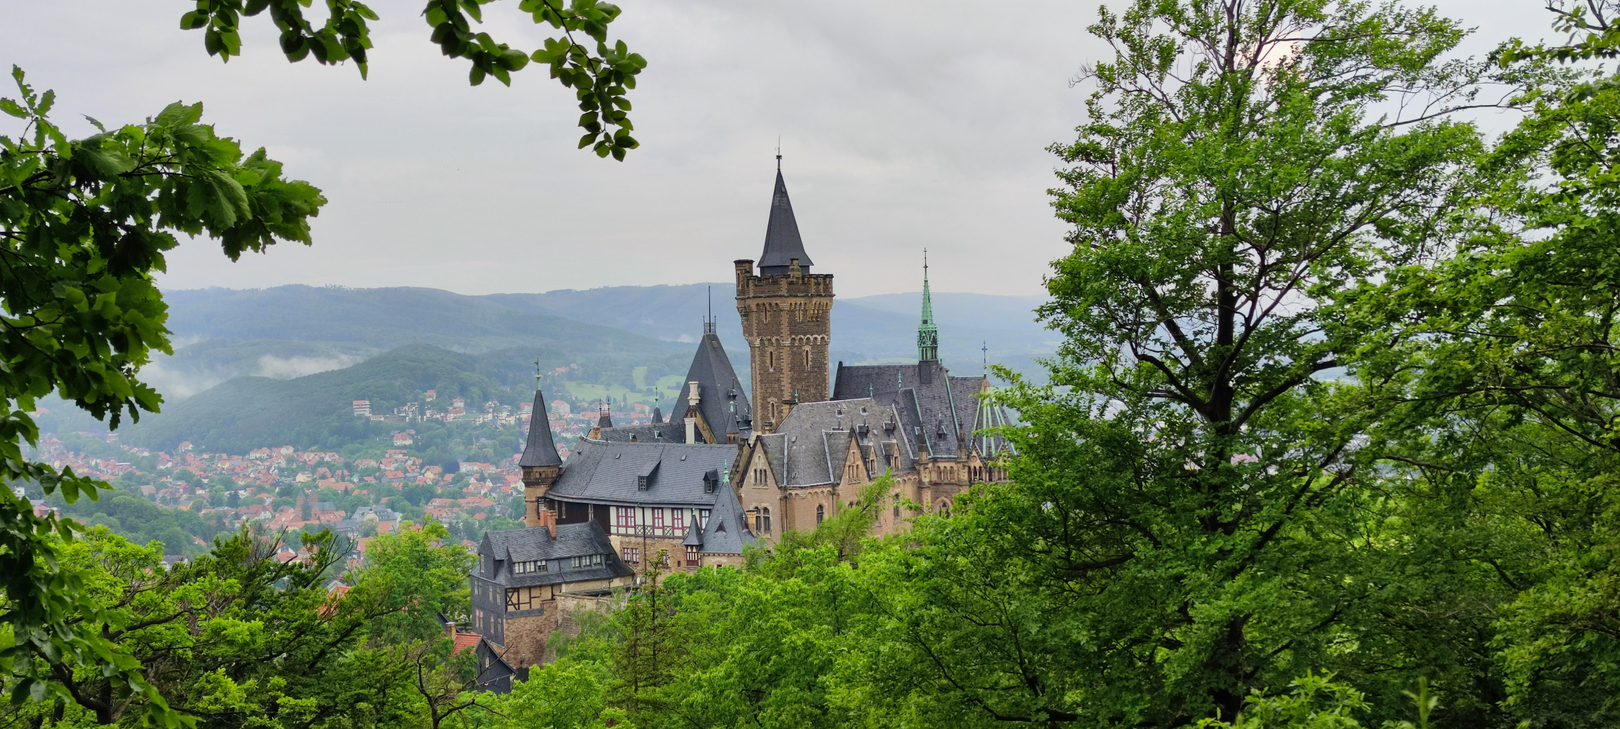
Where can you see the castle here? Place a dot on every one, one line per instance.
(724, 473)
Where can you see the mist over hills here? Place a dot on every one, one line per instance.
(290, 331)
(280, 365)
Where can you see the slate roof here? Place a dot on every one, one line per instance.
(726, 531)
(720, 394)
(721, 399)
(606, 473)
(809, 447)
(782, 242)
(935, 408)
(541, 450)
(652, 433)
(529, 545)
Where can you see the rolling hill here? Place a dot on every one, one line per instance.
(281, 365)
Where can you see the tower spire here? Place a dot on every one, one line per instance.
(927, 333)
(783, 246)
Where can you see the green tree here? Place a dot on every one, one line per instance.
(600, 74)
(423, 577)
(234, 638)
(1190, 517)
(86, 223)
(1498, 359)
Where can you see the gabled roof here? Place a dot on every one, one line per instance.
(727, 529)
(935, 408)
(534, 544)
(606, 473)
(782, 242)
(541, 450)
(810, 446)
(721, 399)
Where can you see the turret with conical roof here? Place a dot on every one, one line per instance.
(786, 316)
(540, 462)
(783, 246)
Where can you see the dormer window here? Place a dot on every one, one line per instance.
(589, 560)
(533, 567)
(711, 481)
(641, 483)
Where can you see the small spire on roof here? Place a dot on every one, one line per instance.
(927, 333)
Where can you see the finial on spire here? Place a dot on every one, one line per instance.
(985, 349)
(708, 321)
(537, 375)
(778, 153)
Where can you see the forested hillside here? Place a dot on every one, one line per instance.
(315, 412)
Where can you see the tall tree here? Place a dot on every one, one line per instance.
(85, 225)
(1190, 517)
(1499, 360)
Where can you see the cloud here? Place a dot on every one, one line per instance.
(286, 368)
(903, 124)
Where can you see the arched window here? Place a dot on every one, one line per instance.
(806, 356)
(767, 511)
(758, 523)
(821, 513)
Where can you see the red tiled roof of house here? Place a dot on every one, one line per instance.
(464, 641)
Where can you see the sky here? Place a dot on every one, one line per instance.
(903, 125)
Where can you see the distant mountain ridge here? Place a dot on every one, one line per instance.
(281, 365)
(289, 331)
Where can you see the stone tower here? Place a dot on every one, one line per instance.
(786, 318)
(540, 463)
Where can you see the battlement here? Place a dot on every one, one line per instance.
(793, 283)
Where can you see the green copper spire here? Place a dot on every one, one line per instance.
(927, 333)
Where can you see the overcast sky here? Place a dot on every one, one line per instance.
(903, 125)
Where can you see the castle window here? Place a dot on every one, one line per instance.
(692, 556)
(767, 511)
(589, 560)
(821, 513)
(677, 520)
(624, 517)
(658, 518)
(632, 555)
(529, 568)
(807, 357)
(897, 512)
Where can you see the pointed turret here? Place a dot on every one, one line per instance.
(541, 464)
(782, 243)
(927, 332)
(541, 450)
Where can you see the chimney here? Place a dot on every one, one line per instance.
(691, 430)
(548, 519)
(450, 627)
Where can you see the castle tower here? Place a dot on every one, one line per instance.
(786, 318)
(540, 463)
